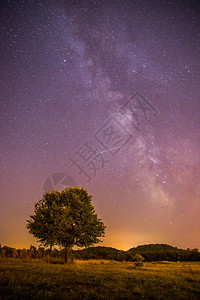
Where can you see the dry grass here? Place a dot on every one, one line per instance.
(99, 279)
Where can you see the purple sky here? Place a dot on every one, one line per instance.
(73, 78)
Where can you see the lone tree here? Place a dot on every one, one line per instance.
(66, 219)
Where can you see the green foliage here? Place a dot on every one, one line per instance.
(66, 219)
(158, 252)
(152, 252)
(138, 260)
(81, 226)
(43, 224)
(98, 253)
(120, 256)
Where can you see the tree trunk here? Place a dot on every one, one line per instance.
(67, 255)
(50, 253)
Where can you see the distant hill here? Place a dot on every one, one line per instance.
(153, 247)
(151, 252)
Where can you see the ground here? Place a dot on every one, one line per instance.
(99, 279)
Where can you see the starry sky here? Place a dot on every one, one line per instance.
(102, 94)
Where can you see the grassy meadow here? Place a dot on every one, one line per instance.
(98, 279)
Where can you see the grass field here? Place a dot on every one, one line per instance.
(95, 279)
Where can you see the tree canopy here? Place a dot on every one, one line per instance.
(66, 218)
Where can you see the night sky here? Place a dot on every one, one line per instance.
(104, 95)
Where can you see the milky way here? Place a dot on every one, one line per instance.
(104, 95)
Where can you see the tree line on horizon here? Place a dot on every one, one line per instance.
(152, 252)
(66, 219)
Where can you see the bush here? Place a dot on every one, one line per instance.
(138, 260)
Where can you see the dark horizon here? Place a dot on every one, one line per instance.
(102, 246)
